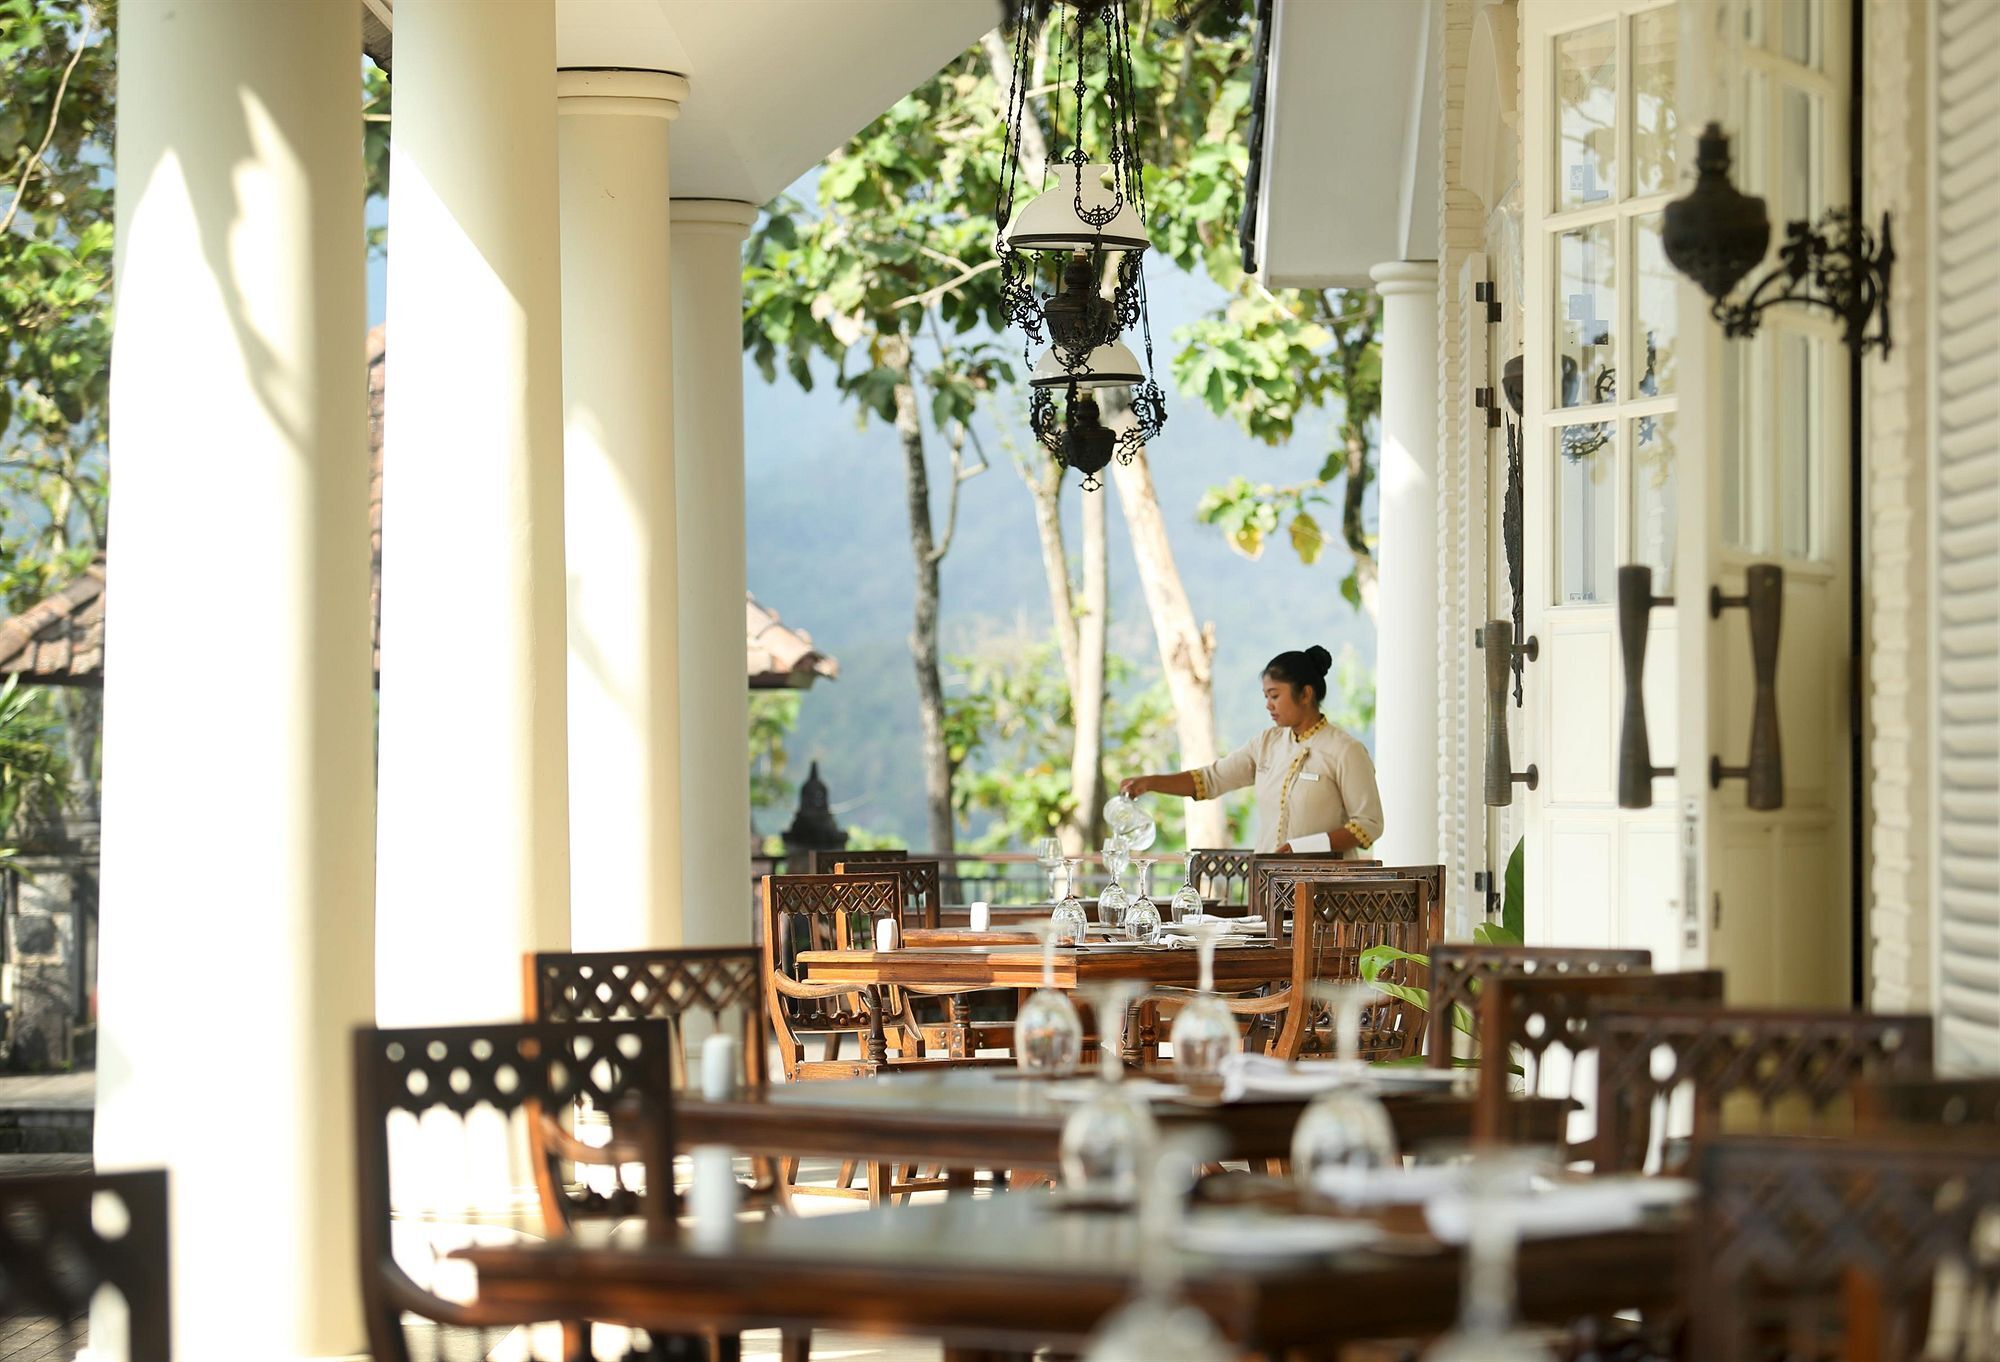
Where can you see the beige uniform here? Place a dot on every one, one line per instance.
(1318, 783)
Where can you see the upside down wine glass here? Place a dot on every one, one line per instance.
(1048, 855)
(1159, 1324)
(1345, 1136)
(1048, 1035)
(1105, 1142)
(1070, 921)
(1204, 1031)
(1187, 898)
(1486, 1330)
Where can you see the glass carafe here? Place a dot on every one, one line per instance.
(1345, 1136)
(1204, 1031)
(1048, 1035)
(1070, 919)
(1106, 1141)
(1187, 898)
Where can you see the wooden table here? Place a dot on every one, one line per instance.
(994, 1119)
(1019, 1271)
(1020, 967)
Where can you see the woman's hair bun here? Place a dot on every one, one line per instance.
(1320, 659)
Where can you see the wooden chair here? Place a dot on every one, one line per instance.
(1223, 874)
(1533, 1015)
(1272, 879)
(65, 1236)
(1813, 1249)
(1795, 1069)
(1460, 969)
(826, 862)
(1930, 1103)
(418, 1078)
(943, 1024)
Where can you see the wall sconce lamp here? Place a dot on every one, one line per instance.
(1716, 235)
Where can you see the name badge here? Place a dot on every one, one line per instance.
(1308, 775)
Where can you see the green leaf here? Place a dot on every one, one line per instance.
(1513, 898)
(1307, 541)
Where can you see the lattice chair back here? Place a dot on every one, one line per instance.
(826, 862)
(1546, 1022)
(1780, 1071)
(923, 889)
(65, 1237)
(820, 912)
(1883, 1249)
(698, 991)
(1335, 918)
(1223, 874)
(1273, 879)
(444, 1123)
(1459, 971)
(1931, 1103)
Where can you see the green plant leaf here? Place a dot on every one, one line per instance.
(1514, 898)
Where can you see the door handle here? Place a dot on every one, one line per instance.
(1635, 752)
(1763, 599)
(1497, 638)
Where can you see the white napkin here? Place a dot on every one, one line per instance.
(1249, 1077)
(1306, 846)
(1573, 1208)
(1252, 926)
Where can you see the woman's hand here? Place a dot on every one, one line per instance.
(1134, 786)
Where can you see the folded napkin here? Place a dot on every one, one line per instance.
(1249, 1078)
(1254, 926)
(1591, 1207)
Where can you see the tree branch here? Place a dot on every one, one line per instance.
(931, 295)
(55, 115)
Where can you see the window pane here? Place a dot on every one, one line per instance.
(1586, 513)
(1653, 507)
(1798, 126)
(1586, 115)
(1586, 305)
(1656, 310)
(1653, 122)
(1746, 407)
(1798, 397)
(1798, 31)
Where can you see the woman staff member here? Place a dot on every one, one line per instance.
(1315, 783)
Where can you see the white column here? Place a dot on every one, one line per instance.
(474, 865)
(1406, 629)
(618, 475)
(229, 977)
(708, 474)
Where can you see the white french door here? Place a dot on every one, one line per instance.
(1600, 457)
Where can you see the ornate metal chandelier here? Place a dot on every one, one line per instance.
(1070, 262)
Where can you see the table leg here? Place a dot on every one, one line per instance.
(877, 1042)
(960, 1005)
(959, 1181)
(1142, 1036)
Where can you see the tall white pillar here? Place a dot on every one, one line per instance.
(1406, 631)
(708, 474)
(228, 983)
(474, 774)
(618, 473)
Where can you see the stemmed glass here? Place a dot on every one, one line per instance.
(1111, 904)
(1187, 898)
(1345, 1136)
(1048, 1035)
(1049, 856)
(1485, 1331)
(1204, 1031)
(1069, 920)
(1105, 1142)
(1159, 1324)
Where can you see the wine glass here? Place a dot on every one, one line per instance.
(1117, 855)
(1159, 1324)
(1049, 856)
(1048, 1035)
(1345, 1136)
(1485, 1331)
(1204, 1031)
(1106, 1141)
(1187, 898)
(1071, 923)
(1112, 903)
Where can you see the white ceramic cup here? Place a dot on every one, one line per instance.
(981, 915)
(713, 1195)
(718, 1067)
(888, 936)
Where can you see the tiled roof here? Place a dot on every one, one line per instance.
(60, 641)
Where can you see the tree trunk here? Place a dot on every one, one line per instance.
(924, 630)
(1087, 693)
(1187, 650)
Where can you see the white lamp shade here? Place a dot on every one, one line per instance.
(1109, 366)
(1049, 222)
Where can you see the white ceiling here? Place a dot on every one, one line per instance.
(774, 84)
(1350, 174)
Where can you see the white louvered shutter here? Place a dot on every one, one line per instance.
(1967, 407)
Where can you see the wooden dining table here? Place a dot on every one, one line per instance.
(1016, 966)
(966, 1120)
(1024, 1270)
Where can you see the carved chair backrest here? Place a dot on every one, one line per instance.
(1335, 918)
(1796, 1070)
(720, 987)
(1272, 879)
(825, 862)
(821, 912)
(65, 1236)
(1830, 1248)
(1459, 971)
(1936, 1103)
(416, 1080)
(923, 892)
(1223, 874)
(1548, 1023)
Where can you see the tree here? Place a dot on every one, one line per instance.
(774, 716)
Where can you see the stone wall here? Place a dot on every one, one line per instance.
(48, 938)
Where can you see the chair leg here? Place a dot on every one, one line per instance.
(795, 1347)
(725, 1348)
(879, 1180)
(576, 1341)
